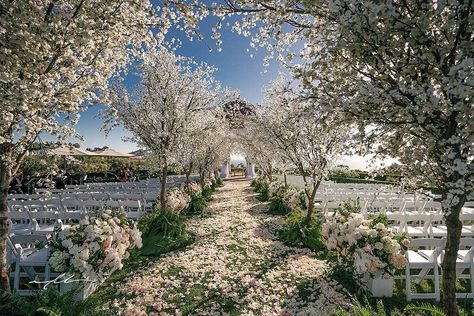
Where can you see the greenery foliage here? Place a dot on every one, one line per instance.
(217, 183)
(206, 193)
(278, 207)
(197, 205)
(47, 302)
(298, 231)
(379, 309)
(164, 223)
(262, 188)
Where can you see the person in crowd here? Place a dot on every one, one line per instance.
(27, 184)
(124, 174)
(69, 177)
(15, 184)
(60, 182)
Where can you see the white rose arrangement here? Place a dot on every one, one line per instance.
(177, 200)
(95, 248)
(295, 199)
(277, 189)
(366, 246)
(192, 188)
(207, 184)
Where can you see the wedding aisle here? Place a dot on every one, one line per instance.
(236, 267)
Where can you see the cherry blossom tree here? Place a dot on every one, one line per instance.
(57, 57)
(302, 135)
(216, 142)
(202, 145)
(163, 109)
(258, 150)
(404, 68)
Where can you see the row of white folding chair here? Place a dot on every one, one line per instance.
(132, 208)
(55, 200)
(47, 221)
(427, 225)
(41, 222)
(426, 254)
(25, 197)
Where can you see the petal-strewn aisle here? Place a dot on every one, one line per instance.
(236, 267)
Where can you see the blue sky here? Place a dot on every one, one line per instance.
(236, 70)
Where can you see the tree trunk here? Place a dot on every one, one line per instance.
(5, 175)
(284, 180)
(164, 173)
(188, 171)
(201, 178)
(311, 200)
(309, 215)
(454, 227)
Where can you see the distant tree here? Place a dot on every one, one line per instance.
(164, 105)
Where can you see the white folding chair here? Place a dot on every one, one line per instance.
(397, 221)
(19, 222)
(421, 260)
(149, 199)
(68, 219)
(16, 205)
(114, 205)
(100, 196)
(27, 257)
(433, 207)
(330, 207)
(84, 196)
(71, 205)
(437, 223)
(376, 207)
(417, 225)
(34, 206)
(467, 230)
(132, 208)
(92, 205)
(53, 205)
(44, 223)
(465, 262)
(414, 207)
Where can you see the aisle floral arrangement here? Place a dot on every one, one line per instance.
(96, 247)
(192, 188)
(177, 200)
(295, 199)
(277, 189)
(365, 246)
(207, 184)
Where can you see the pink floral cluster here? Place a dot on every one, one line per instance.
(192, 188)
(207, 184)
(366, 245)
(177, 200)
(95, 248)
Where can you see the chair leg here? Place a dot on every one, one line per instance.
(472, 279)
(408, 282)
(16, 278)
(436, 282)
(47, 271)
